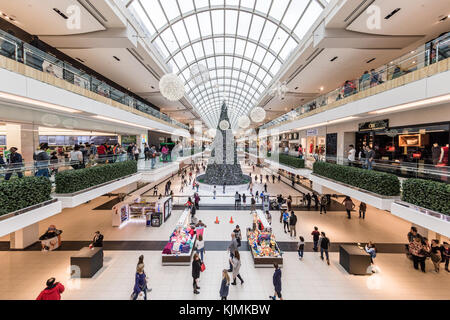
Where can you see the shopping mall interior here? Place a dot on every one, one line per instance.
(224, 149)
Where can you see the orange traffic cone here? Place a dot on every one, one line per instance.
(231, 220)
(217, 220)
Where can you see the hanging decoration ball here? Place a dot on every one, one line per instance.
(212, 132)
(258, 114)
(244, 122)
(224, 125)
(171, 87)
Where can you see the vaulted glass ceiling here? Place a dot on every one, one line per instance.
(226, 49)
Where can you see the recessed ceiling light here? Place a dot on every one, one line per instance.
(392, 13)
(321, 88)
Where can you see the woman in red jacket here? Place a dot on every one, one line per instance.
(52, 292)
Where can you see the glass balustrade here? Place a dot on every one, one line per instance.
(411, 62)
(13, 48)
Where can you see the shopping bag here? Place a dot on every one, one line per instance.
(202, 268)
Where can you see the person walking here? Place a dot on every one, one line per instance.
(316, 234)
(269, 217)
(140, 283)
(285, 221)
(349, 206)
(14, 162)
(244, 199)
(324, 246)
(419, 253)
(196, 269)
(301, 247)
(323, 204)
(308, 201)
(232, 248)
(237, 232)
(52, 291)
(289, 203)
(265, 187)
(370, 157)
(236, 200)
(435, 254)
(252, 205)
(214, 193)
(200, 246)
(292, 224)
(316, 201)
(351, 155)
(225, 285)
(236, 263)
(362, 210)
(42, 161)
(276, 279)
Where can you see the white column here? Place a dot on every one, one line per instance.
(25, 137)
(25, 237)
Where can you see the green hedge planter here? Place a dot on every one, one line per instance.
(381, 183)
(71, 181)
(21, 193)
(289, 160)
(428, 194)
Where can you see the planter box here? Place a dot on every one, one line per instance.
(435, 221)
(72, 200)
(373, 199)
(23, 218)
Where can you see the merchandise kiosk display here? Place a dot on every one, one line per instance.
(135, 207)
(261, 242)
(180, 248)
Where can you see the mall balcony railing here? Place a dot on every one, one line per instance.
(414, 169)
(20, 51)
(402, 66)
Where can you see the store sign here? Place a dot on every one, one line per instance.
(312, 132)
(374, 125)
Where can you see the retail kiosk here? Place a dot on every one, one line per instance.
(262, 244)
(180, 248)
(152, 213)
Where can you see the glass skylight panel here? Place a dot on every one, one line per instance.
(219, 35)
(293, 13)
(170, 8)
(263, 5)
(311, 14)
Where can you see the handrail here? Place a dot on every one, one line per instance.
(395, 69)
(37, 59)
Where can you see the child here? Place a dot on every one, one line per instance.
(301, 247)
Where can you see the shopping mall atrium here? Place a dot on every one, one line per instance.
(224, 149)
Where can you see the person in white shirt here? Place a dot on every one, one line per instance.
(76, 156)
(351, 155)
(200, 246)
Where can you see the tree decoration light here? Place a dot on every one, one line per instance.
(171, 87)
(258, 114)
(244, 122)
(224, 125)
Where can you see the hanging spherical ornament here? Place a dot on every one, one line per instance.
(212, 132)
(244, 122)
(258, 114)
(224, 125)
(171, 87)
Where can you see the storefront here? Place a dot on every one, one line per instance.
(315, 144)
(402, 144)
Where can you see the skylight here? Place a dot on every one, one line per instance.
(239, 44)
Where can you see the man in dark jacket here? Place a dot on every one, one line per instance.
(324, 246)
(277, 283)
(292, 224)
(98, 240)
(14, 161)
(308, 200)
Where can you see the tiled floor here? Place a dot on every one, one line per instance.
(23, 274)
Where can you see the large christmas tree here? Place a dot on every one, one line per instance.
(223, 166)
